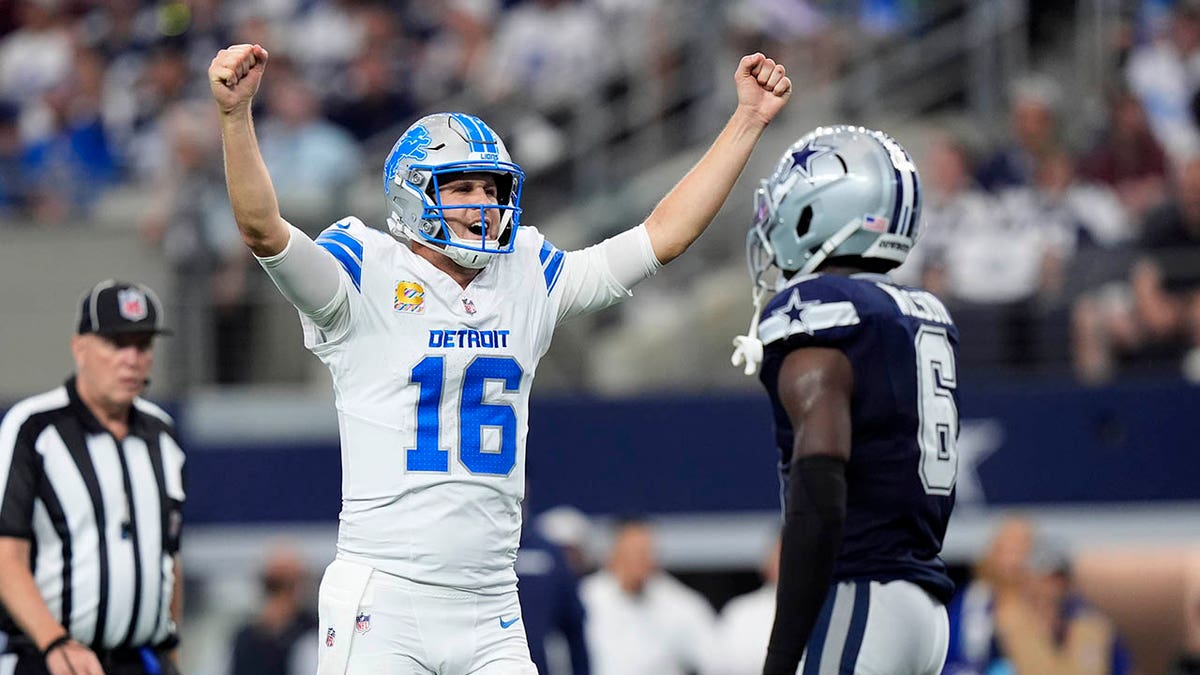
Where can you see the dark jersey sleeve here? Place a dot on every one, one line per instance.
(815, 312)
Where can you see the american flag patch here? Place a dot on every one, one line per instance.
(875, 223)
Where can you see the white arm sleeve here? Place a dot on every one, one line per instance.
(601, 275)
(309, 278)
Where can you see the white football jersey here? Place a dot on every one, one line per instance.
(432, 387)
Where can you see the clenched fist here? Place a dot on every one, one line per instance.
(234, 76)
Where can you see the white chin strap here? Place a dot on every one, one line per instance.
(748, 349)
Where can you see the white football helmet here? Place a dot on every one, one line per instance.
(450, 143)
(838, 192)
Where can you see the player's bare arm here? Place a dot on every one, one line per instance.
(683, 214)
(234, 77)
(815, 387)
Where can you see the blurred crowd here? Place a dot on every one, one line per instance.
(604, 605)
(1071, 245)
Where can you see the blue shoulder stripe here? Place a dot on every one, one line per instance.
(552, 271)
(352, 265)
(552, 260)
(344, 238)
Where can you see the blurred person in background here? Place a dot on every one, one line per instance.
(1045, 627)
(191, 223)
(744, 625)
(984, 265)
(1020, 615)
(1033, 123)
(1128, 158)
(1156, 315)
(13, 191)
(91, 506)
(999, 570)
(75, 143)
(311, 160)
(1163, 74)
(862, 378)
(462, 302)
(550, 607)
(640, 619)
(571, 531)
(268, 643)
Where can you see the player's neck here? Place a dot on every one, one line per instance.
(462, 275)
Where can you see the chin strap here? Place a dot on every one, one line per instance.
(748, 349)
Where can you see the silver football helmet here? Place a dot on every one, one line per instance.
(451, 143)
(838, 192)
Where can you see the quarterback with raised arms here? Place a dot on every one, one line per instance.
(432, 328)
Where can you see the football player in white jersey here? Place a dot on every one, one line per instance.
(432, 329)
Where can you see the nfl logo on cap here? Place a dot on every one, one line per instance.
(131, 303)
(111, 307)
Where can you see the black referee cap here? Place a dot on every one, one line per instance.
(112, 307)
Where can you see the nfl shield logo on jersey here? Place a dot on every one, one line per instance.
(468, 305)
(132, 304)
(362, 623)
(329, 635)
(410, 297)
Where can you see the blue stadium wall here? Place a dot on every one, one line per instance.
(1021, 445)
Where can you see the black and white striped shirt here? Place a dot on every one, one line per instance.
(103, 516)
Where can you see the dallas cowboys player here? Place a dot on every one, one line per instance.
(861, 376)
(432, 331)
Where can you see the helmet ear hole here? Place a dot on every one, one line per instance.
(805, 222)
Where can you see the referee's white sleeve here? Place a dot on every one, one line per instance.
(602, 275)
(308, 277)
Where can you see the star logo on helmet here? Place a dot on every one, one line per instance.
(802, 158)
(795, 314)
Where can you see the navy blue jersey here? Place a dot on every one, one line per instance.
(901, 344)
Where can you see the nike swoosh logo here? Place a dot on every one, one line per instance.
(342, 226)
(506, 624)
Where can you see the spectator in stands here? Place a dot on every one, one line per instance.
(550, 606)
(192, 223)
(76, 145)
(1033, 119)
(269, 643)
(1158, 312)
(569, 529)
(641, 620)
(12, 177)
(1164, 74)
(972, 641)
(987, 263)
(1128, 158)
(35, 58)
(1046, 627)
(1021, 616)
(311, 160)
(162, 78)
(744, 625)
(376, 99)
(459, 40)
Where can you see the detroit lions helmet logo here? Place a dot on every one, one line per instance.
(411, 145)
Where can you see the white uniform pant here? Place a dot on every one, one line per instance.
(873, 628)
(372, 622)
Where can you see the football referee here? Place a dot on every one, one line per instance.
(91, 490)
